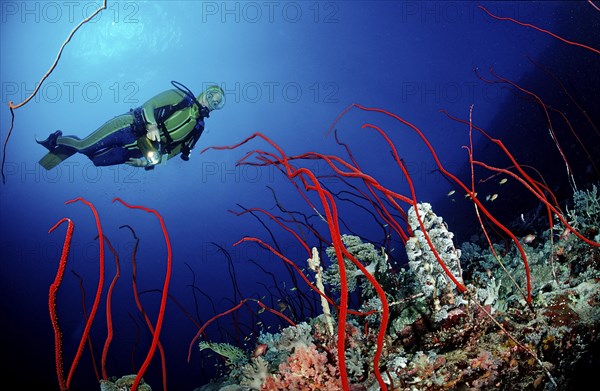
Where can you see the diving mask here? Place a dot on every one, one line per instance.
(214, 96)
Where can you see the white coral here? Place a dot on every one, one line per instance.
(289, 339)
(432, 279)
(255, 373)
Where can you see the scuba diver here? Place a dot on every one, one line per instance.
(167, 125)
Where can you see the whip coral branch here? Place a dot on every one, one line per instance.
(348, 171)
(541, 30)
(85, 316)
(535, 187)
(455, 179)
(301, 295)
(289, 262)
(241, 303)
(52, 302)
(546, 114)
(163, 300)
(65, 385)
(145, 317)
(276, 220)
(310, 182)
(90, 320)
(109, 322)
(11, 106)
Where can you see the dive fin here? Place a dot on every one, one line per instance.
(57, 156)
(50, 142)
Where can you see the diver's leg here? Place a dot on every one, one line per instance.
(115, 132)
(101, 138)
(112, 156)
(114, 148)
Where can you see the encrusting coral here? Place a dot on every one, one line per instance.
(123, 384)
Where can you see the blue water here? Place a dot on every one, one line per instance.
(288, 70)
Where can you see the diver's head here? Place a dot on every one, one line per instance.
(213, 98)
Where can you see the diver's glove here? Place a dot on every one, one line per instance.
(152, 132)
(138, 162)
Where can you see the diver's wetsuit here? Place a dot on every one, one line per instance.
(179, 120)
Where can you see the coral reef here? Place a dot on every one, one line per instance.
(123, 384)
(487, 338)
(306, 369)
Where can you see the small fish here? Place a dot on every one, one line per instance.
(492, 198)
(503, 181)
(522, 217)
(451, 192)
(529, 238)
(293, 289)
(261, 310)
(487, 197)
(260, 350)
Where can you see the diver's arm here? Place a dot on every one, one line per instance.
(152, 132)
(166, 98)
(137, 162)
(176, 151)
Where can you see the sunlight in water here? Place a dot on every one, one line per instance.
(123, 32)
